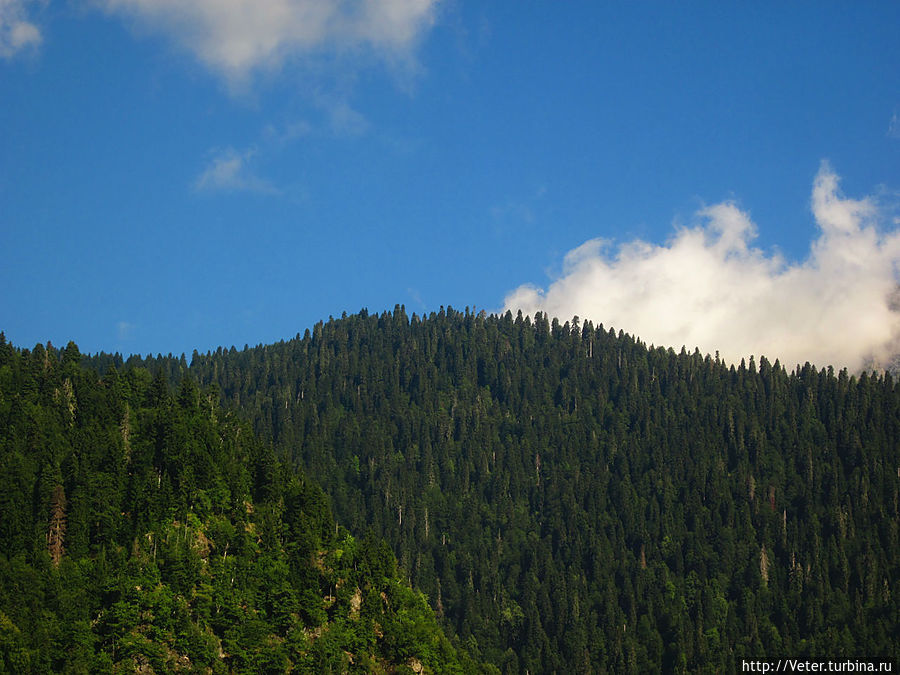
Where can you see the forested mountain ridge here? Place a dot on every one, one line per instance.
(570, 500)
(146, 530)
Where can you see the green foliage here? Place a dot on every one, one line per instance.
(148, 531)
(569, 499)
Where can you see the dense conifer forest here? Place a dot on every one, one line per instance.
(143, 529)
(570, 499)
(566, 498)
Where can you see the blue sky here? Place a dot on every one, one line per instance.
(175, 179)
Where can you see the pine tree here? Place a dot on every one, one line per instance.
(56, 532)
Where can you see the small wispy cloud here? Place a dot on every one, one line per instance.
(708, 287)
(337, 119)
(124, 330)
(229, 171)
(517, 211)
(894, 126)
(17, 32)
(343, 119)
(237, 37)
(417, 298)
(280, 136)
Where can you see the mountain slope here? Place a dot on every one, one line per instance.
(571, 500)
(144, 530)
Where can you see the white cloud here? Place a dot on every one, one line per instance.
(280, 136)
(894, 126)
(17, 33)
(236, 37)
(344, 120)
(125, 330)
(709, 288)
(228, 171)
